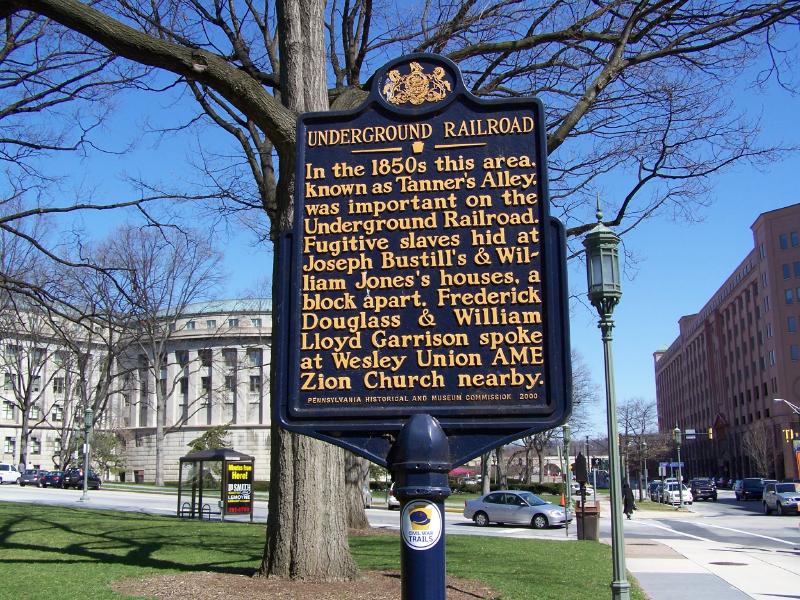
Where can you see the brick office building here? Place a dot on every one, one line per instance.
(735, 357)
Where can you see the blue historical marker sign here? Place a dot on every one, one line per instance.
(424, 273)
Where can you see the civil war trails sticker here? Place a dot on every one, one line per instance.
(421, 524)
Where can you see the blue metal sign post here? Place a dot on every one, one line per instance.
(422, 319)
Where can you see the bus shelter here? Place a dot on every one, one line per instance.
(215, 482)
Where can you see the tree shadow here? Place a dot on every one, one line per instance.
(134, 540)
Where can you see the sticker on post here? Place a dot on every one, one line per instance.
(421, 524)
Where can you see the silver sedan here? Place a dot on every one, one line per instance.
(511, 506)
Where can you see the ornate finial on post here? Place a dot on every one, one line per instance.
(599, 212)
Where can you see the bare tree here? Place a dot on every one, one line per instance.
(758, 445)
(630, 87)
(162, 272)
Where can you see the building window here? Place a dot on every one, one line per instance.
(229, 356)
(12, 353)
(788, 295)
(254, 357)
(230, 383)
(205, 357)
(8, 384)
(205, 385)
(255, 383)
(761, 252)
(792, 324)
(10, 446)
(190, 325)
(57, 447)
(182, 357)
(795, 239)
(233, 322)
(771, 355)
(36, 383)
(211, 324)
(60, 358)
(36, 445)
(783, 241)
(794, 352)
(256, 322)
(8, 410)
(57, 413)
(58, 386)
(769, 330)
(137, 440)
(36, 412)
(787, 272)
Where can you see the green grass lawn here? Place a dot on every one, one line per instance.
(64, 554)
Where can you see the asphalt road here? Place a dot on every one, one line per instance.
(726, 521)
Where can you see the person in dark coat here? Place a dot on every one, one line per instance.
(628, 504)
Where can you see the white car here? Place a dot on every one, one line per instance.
(392, 502)
(9, 473)
(671, 494)
(576, 489)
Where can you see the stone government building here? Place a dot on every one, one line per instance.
(217, 372)
(738, 354)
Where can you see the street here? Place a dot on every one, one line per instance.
(715, 549)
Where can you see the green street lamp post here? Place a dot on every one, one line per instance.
(567, 479)
(605, 291)
(676, 434)
(88, 418)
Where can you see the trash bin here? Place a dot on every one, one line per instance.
(588, 518)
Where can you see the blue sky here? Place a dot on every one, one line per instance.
(678, 264)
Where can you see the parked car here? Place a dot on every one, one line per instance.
(781, 498)
(51, 479)
(74, 478)
(750, 487)
(671, 493)
(9, 474)
(576, 488)
(392, 502)
(512, 506)
(654, 490)
(32, 477)
(703, 488)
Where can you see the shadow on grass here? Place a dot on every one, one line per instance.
(158, 543)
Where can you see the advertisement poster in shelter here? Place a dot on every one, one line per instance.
(238, 493)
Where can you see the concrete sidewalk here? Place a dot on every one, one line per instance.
(700, 569)
(678, 569)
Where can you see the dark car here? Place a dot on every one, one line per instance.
(32, 477)
(703, 488)
(751, 487)
(51, 479)
(74, 478)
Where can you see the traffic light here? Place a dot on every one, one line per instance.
(789, 434)
(711, 433)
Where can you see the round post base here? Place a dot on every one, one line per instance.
(620, 590)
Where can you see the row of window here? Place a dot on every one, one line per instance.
(784, 239)
(212, 323)
(10, 412)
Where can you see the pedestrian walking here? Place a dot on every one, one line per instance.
(628, 504)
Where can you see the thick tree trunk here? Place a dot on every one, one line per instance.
(486, 484)
(540, 456)
(356, 477)
(307, 523)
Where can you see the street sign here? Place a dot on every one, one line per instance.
(690, 434)
(424, 274)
